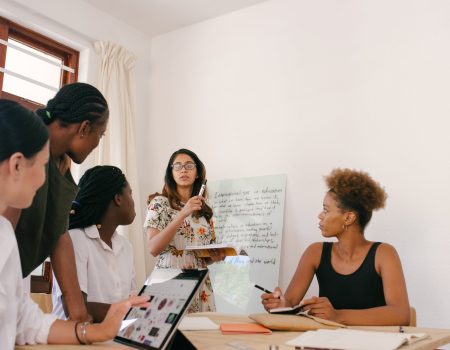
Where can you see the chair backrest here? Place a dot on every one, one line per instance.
(412, 317)
(43, 283)
(41, 288)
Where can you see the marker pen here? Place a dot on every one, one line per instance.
(202, 189)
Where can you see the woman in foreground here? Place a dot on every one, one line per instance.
(24, 153)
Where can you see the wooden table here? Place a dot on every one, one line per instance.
(217, 341)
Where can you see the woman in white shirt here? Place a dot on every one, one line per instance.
(104, 259)
(24, 152)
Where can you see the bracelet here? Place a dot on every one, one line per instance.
(76, 332)
(83, 332)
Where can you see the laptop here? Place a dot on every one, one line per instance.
(171, 291)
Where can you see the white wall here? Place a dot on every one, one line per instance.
(79, 25)
(301, 87)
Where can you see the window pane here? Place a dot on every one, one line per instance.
(27, 90)
(34, 68)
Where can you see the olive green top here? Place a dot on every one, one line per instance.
(41, 225)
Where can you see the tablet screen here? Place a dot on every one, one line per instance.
(171, 292)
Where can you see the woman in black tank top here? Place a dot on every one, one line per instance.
(360, 282)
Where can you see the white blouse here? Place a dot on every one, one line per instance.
(21, 319)
(105, 274)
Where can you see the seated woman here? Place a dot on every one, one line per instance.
(104, 258)
(24, 152)
(360, 282)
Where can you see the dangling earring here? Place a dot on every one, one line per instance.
(344, 228)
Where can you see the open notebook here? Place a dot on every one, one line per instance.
(294, 310)
(351, 339)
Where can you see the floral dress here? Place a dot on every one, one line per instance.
(193, 231)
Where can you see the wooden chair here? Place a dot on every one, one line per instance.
(412, 317)
(41, 288)
(43, 283)
(44, 301)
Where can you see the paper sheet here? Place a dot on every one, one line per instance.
(354, 339)
(197, 324)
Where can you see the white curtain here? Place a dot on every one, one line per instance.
(118, 146)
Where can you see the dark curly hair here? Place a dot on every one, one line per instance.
(356, 191)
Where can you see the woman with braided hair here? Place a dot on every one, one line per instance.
(24, 153)
(360, 282)
(104, 258)
(76, 119)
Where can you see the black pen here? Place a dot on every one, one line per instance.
(263, 289)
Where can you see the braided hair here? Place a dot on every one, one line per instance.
(98, 186)
(21, 131)
(75, 103)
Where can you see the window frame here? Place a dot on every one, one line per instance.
(69, 56)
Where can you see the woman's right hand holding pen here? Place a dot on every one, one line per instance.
(158, 240)
(273, 300)
(193, 204)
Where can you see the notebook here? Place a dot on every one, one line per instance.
(350, 339)
(243, 328)
(227, 249)
(295, 310)
(301, 322)
(171, 291)
(197, 324)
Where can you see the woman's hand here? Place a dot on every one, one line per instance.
(273, 300)
(110, 326)
(193, 204)
(320, 307)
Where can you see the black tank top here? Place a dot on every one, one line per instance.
(362, 289)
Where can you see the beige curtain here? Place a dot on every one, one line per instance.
(117, 146)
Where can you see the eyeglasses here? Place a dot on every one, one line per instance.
(187, 166)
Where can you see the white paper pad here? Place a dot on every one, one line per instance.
(197, 324)
(350, 339)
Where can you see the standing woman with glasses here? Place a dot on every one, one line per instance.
(179, 217)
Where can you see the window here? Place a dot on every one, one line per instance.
(33, 67)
